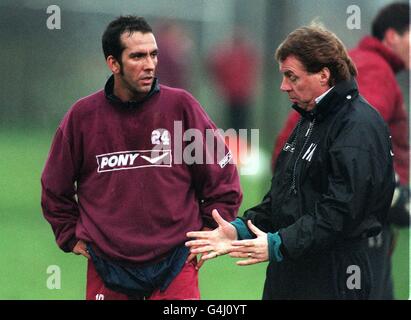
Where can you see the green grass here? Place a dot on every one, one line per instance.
(28, 246)
(401, 266)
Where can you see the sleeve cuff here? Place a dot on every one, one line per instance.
(242, 230)
(69, 246)
(274, 243)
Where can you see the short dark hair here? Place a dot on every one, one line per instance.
(317, 48)
(111, 37)
(395, 15)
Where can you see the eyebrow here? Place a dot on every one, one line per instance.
(289, 73)
(141, 53)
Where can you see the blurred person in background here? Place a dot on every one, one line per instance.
(175, 56)
(111, 189)
(234, 64)
(378, 57)
(332, 185)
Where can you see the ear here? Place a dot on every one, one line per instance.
(325, 75)
(113, 64)
(390, 37)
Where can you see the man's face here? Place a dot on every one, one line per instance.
(138, 64)
(302, 87)
(401, 46)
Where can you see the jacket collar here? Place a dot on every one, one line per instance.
(342, 91)
(373, 44)
(108, 91)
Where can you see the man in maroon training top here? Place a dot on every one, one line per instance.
(117, 188)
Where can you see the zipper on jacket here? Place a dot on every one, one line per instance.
(294, 176)
(297, 133)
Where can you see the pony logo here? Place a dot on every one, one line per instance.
(126, 160)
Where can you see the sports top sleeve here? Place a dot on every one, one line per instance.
(58, 200)
(216, 178)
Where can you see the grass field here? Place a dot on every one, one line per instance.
(28, 246)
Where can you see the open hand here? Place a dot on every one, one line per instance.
(253, 250)
(213, 243)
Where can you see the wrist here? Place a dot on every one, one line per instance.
(274, 244)
(242, 230)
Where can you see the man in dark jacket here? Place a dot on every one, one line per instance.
(378, 58)
(331, 189)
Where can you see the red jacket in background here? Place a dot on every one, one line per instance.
(377, 66)
(234, 67)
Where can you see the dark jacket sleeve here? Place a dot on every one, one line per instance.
(356, 174)
(216, 179)
(260, 215)
(58, 201)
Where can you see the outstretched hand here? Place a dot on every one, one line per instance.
(212, 243)
(193, 256)
(253, 250)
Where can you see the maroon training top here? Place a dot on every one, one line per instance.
(135, 200)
